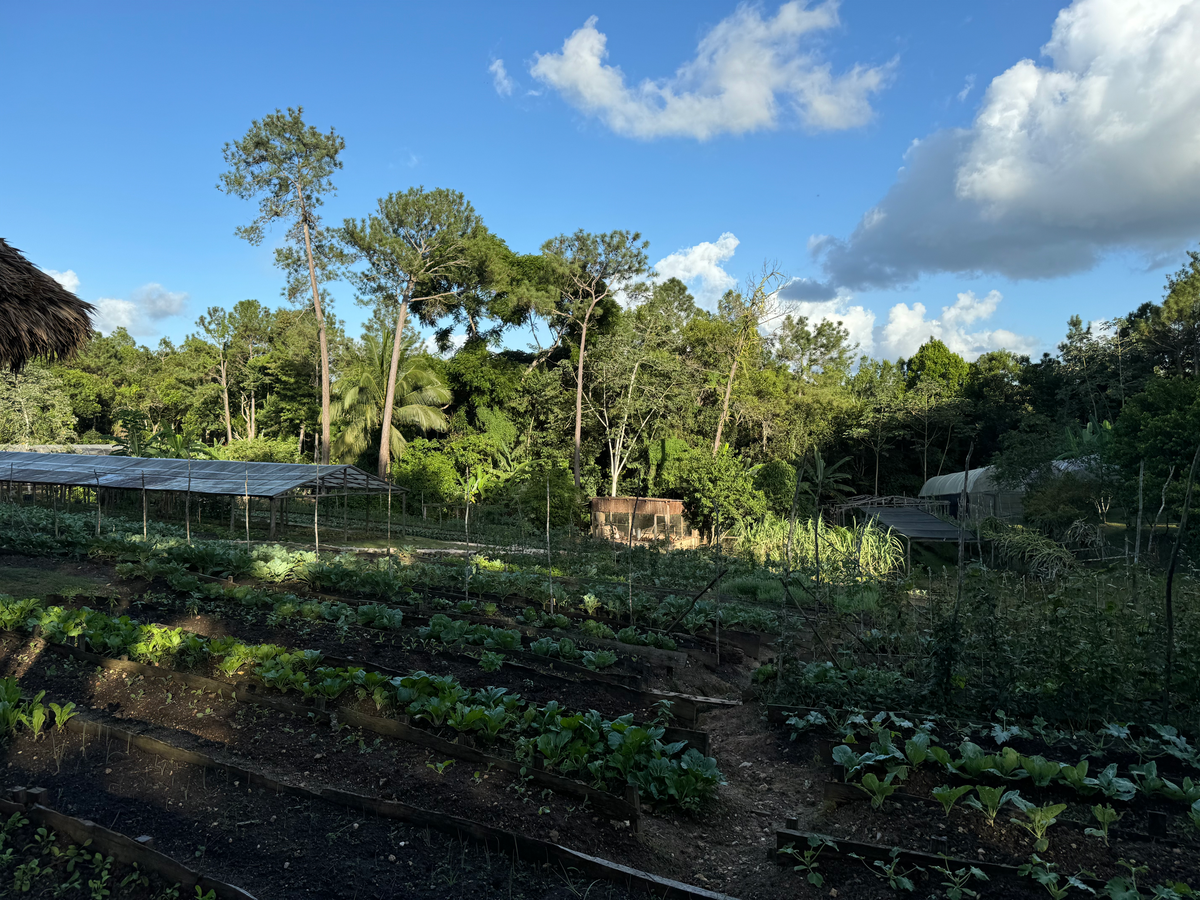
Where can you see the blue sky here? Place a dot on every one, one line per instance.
(1036, 185)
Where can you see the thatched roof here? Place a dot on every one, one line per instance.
(38, 316)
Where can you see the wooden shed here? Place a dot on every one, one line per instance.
(651, 519)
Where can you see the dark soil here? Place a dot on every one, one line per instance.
(275, 846)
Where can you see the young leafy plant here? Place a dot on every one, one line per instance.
(806, 860)
(1038, 820)
(1107, 817)
(957, 880)
(948, 796)
(990, 800)
(878, 790)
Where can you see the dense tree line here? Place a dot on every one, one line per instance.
(633, 390)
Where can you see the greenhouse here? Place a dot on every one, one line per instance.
(109, 478)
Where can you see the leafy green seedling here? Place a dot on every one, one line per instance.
(440, 767)
(948, 796)
(806, 860)
(1194, 815)
(917, 749)
(1043, 873)
(1038, 820)
(1040, 770)
(1115, 787)
(878, 790)
(957, 879)
(990, 801)
(890, 871)
(1076, 777)
(1107, 817)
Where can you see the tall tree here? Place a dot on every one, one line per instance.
(631, 382)
(289, 166)
(590, 268)
(415, 247)
(219, 330)
(746, 311)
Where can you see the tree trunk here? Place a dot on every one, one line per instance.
(225, 395)
(579, 390)
(724, 407)
(389, 397)
(323, 455)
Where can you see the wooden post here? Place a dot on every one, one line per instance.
(717, 513)
(247, 505)
(54, 498)
(97, 474)
(145, 524)
(274, 501)
(1137, 546)
(389, 527)
(316, 505)
(403, 513)
(345, 510)
(549, 557)
(187, 505)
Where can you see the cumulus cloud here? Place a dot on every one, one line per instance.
(1094, 150)
(907, 328)
(748, 73)
(699, 267)
(500, 78)
(67, 279)
(141, 313)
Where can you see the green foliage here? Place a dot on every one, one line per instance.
(934, 362)
(704, 481)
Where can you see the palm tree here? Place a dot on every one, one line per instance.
(420, 395)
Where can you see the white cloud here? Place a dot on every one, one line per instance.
(967, 88)
(500, 78)
(1094, 151)
(699, 267)
(907, 328)
(748, 72)
(139, 314)
(67, 279)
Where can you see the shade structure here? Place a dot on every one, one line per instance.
(918, 525)
(218, 477)
(38, 316)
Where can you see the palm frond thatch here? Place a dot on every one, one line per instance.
(38, 316)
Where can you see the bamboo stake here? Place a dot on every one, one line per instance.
(97, 474)
(145, 524)
(1137, 545)
(717, 513)
(549, 557)
(389, 528)
(187, 505)
(247, 501)
(1169, 668)
(316, 506)
(629, 555)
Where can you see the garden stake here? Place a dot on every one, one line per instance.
(145, 525)
(187, 505)
(717, 624)
(549, 558)
(1168, 670)
(1137, 546)
(247, 489)
(97, 474)
(629, 553)
(389, 528)
(316, 504)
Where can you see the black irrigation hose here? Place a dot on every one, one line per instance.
(519, 845)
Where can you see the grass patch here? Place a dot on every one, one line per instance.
(24, 582)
